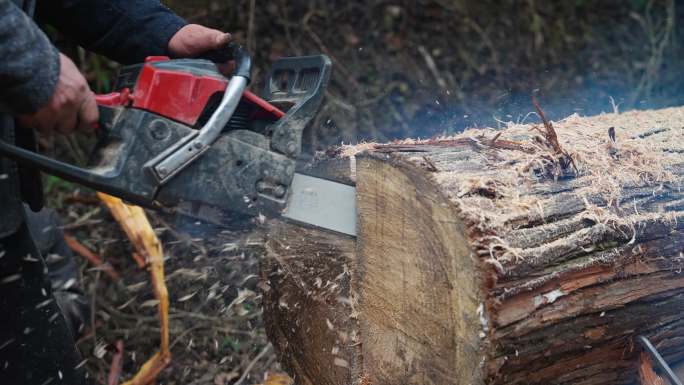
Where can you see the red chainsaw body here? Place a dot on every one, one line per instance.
(179, 94)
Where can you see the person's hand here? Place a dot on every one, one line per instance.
(72, 105)
(194, 40)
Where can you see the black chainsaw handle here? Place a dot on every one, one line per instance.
(97, 179)
(58, 168)
(232, 51)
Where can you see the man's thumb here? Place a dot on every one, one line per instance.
(221, 39)
(194, 39)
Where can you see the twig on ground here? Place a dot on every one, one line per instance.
(117, 365)
(252, 363)
(93, 305)
(85, 219)
(94, 259)
(139, 260)
(86, 223)
(82, 199)
(185, 333)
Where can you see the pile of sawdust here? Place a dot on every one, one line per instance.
(607, 154)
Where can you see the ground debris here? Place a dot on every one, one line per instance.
(277, 379)
(221, 339)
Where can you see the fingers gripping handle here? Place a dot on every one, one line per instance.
(234, 52)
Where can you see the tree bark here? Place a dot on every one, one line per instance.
(529, 255)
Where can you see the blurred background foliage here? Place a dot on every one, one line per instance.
(419, 68)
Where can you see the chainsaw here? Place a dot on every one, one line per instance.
(179, 136)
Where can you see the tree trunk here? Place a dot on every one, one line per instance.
(519, 256)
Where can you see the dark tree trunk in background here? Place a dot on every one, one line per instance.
(523, 256)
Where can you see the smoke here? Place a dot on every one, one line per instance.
(593, 97)
(439, 76)
(638, 69)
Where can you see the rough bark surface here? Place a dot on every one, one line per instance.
(529, 255)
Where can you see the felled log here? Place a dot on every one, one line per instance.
(529, 255)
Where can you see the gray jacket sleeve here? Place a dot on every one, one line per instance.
(29, 63)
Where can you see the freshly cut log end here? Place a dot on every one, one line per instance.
(406, 322)
(491, 257)
(418, 284)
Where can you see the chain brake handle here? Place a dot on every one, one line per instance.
(297, 84)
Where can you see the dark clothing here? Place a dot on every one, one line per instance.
(123, 30)
(10, 200)
(30, 63)
(36, 321)
(36, 345)
(28, 73)
(46, 229)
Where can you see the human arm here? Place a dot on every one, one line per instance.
(30, 65)
(128, 30)
(71, 105)
(38, 85)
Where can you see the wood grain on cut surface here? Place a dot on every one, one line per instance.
(417, 281)
(494, 257)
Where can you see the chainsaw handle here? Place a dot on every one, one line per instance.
(179, 156)
(219, 55)
(243, 62)
(98, 179)
(232, 51)
(58, 168)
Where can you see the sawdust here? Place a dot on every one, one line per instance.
(594, 158)
(604, 169)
